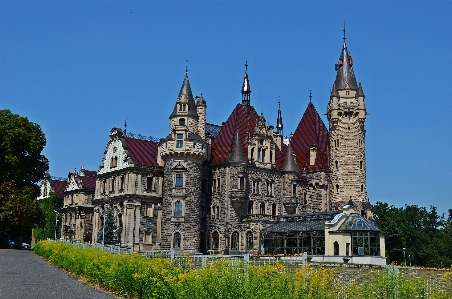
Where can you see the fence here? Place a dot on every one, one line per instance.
(345, 273)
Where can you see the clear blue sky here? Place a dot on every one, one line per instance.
(79, 68)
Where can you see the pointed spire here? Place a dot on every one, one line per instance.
(279, 122)
(345, 75)
(236, 155)
(289, 163)
(310, 96)
(186, 97)
(246, 88)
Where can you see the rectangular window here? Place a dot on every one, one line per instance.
(179, 141)
(149, 185)
(112, 187)
(179, 180)
(294, 190)
(263, 155)
(121, 180)
(242, 183)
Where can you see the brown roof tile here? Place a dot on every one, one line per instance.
(311, 131)
(142, 152)
(58, 186)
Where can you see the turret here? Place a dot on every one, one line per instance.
(246, 88)
(346, 113)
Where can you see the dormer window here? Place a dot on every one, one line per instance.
(179, 141)
(181, 121)
(113, 162)
(182, 107)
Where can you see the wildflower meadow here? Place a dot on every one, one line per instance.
(136, 276)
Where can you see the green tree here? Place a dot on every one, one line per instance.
(110, 228)
(22, 166)
(49, 205)
(425, 235)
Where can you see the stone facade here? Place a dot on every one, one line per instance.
(207, 187)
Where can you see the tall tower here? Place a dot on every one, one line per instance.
(183, 152)
(346, 115)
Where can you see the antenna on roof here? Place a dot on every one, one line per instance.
(125, 126)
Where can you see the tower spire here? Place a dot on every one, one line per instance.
(279, 122)
(246, 88)
(344, 34)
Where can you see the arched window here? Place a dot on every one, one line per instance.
(235, 241)
(215, 240)
(249, 241)
(337, 188)
(181, 121)
(362, 188)
(178, 209)
(250, 208)
(177, 240)
(262, 208)
(274, 209)
(336, 248)
(217, 212)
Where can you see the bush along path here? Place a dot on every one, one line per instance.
(135, 276)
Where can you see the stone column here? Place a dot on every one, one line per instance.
(137, 227)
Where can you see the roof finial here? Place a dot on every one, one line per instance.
(246, 65)
(125, 126)
(279, 102)
(344, 33)
(186, 68)
(310, 96)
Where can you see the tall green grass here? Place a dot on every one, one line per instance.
(135, 276)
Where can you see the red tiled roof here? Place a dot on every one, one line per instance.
(142, 152)
(90, 173)
(88, 182)
(244, 118)
(280, 155)
(311, 131)
(58, 186)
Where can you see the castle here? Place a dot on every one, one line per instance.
(219, 188)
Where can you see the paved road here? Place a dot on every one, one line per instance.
(26, 275)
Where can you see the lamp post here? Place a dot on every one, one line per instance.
(56, 223)
(404, 257)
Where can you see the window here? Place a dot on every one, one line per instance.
(112, 187)
(261, 142)
(336, 248)
(149, 181)
(241, 183)
(252, 154)
(114, 161)
(337, 164)
(271, 157)
(258, 154)
(179, 180)
(181, 121)
(250, 208)
(337, 188)
(274, 209)
(249, 240)
(182, 107)
(178, 209)
(270, 189)
(362, 188)
(217, 212)
(262, 208)
(347, 92)
(263, 155)
(179, 141)
(177, 240)
(215, 241)
(256, 187)
(104, 184)
(360, 164)
(294, 189)
(121, 183)
(235, 241)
